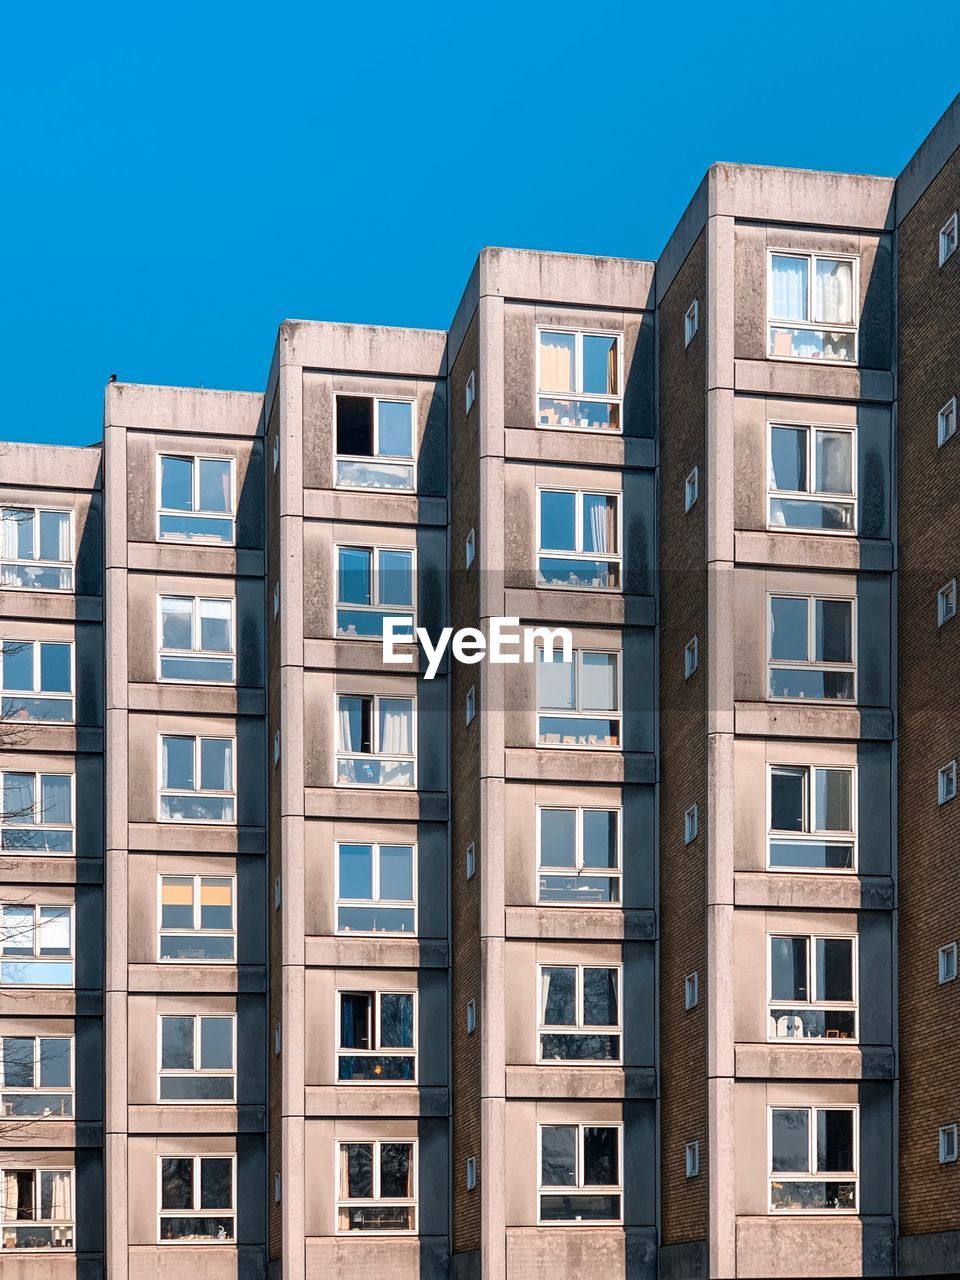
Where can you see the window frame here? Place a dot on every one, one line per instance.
(691, 490)
(691, 823)
(411, 1202)
(470, 548)
(71, 1222)
(947, 783)
(691, 657)
(691, 1159)
(614, 559)
(579, 868)
(197, 1211)
(197, 879)
(195, 632)
(19, 562)
(38, 691)
(218, 793)
(231, 515)
(71, 826)
(578, 714)
(375, 900)
(578, 1027)
(579, 1187)
(947, 958)
(40, 1090)
(388, 458)
(947, 1133)
(812, 834)
(810, 326)
(794, 664)
(470, 706)
(945, 248)
(375, 605)
(809, 495)
(947, 602)
(395, 756)
(813, 1002)
(691, 991)
(178, 1073)
(374, 1027)
(814, 1175)
(691, 322)
(470, 392)
(35, 957)
(539, 393)
(946, 414)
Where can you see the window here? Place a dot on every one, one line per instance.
(471, 1172)
(276, 746)
(196, 779)
(471, 860)
(811, 649)
(37, 812)
(579, 701)
(37, 1077)
(374, 443)
(948, 238)
(691, 322)
(196, 499)
(373, 583)
(198, 918)
(470, 391)
(947, 782)
(36, 681)
(471, 1017)
(813, 1160)
(36, 945)
(470, 548)
(37, 1208)
(375, 741)
(579, 539)
(37, 550)
(691, 1159)
(276, 599)
(377, 1187)
(277, 893)
(471, 704)
(812, 307)
(580, 1173)
(277, 1040)
(947, 963)
(812, 478)
(276, 451)
(578, 854)
(197, 1199)
(376, 888)
(579, 1013)
(947, 602)
(578, 380)
(948, 1144)
(691, 991)
(691, 824)
(377, 1036)
(691, 657)
(947, 421)
(813, 988)
(812, 819)
(197, 642)
(276, 1187)
(198, 1058)
(691, 489)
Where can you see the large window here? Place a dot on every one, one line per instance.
(197, 499)
(579, 1013)
(376, 741)
(377, 1187)
(36, 1077)
(197, 918)
(38, 1208)
(36, 681)
(197, 642)
(812, 648)
(812, 478)
(37, 549)
(579, 539)
(581, 1177)
(377, 1039)
(375, 443)
(579, 379)
(813, 1159)
(813, 988)
(579, 701)
(197, 1199)
(578, 853)
(812, 818)
(36, 812)
(36, 945)
(812, 307)
(373, 583)
(197, 1057)
(376, 888)
(197, 779)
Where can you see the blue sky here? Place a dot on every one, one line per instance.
(180, 178)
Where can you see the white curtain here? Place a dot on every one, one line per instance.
(228, 766)
(789, 288)
(557, 361)
(343, 715)
(834, 457)
(834, 292)
(65, 551)
(396, 726)
(11, 1195)
(11, 522)
(600, 517)
(55, 1198)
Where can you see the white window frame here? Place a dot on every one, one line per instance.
(691, 657)
(35, 560)
(276, 451)
(812, 326)
(375, 900)
(947, 1144)
(40, 1090)
(578, 714)
(39, 824)
(35, 957)
(947, 240)
(210, 933)
(579, 868)
(37, 691)
(470, 548)
(947, 602)
(947, 963)
(588, 557)
(405, 1202)
(691, 1159)
(471, 1173)
(691, 489)
(795, 664)
(375, 605)
(471, 1017)
(577, 394)
(276, 599)
(691, 991)
(397, 756)
(580, 1187)
(691, 322)
(470, 708)
(376, 456)
(196, 603)
(946, 782)
(16, 1166)
(197, 1072)
(197, 1212)
(198, 791)
(691, 824)
(946, 421)
(471, 860)
(813, 1001)
(811, 833)
(374, 1029)
(809, 495)
(578, 1027)
(470, 391)
(229, 515)
(812, 1174)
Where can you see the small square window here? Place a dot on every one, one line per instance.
(276, 1040)
(277, 894)
(471, 1160)
(276, 1188)
(691, 489)
(948, 238)
(471, 860)
(276, 599)
(947, 421)
(471, 704)
(471, 1017)
(691, 824)
(947, 602)
(947, 782)
(691, 322)
(470, 392)
(947, 963)
(276, 452)
(691, 658)
(691, 1159)
(691, 990)
(948, 1144)
(470, 547)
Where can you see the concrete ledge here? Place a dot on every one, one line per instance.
(814, 1246)
(615, 1253)
(199, 979)
(601, 1083)
(182, 410)
(814, 1060)
(38, 1002)
(363, 655)
(580, 608)
(596, 924)
(185, 837)
(190, 559)
(935, 1253)
(576, 278)
(793, 720)
(815, 380)
(379, 1100)
(184, 699)
(406, 806)
(199, 1262)
(578, 448)
(50, 606)
(570, 765)
(39, 1133)
(376, 953)
(807, 551)
(24, 736)
(220, 1118)
(373, 508)
(823, 893)
(32, 868)
(50, 466)
(356, 1258)
(49, 1266)
(368, 348)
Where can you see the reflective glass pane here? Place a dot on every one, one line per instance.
(353, 575)
(216, 1044)
(396, 1021)
(791, 1140)
(18, 664)
(19, 797)
(599, 366)
(55, 675)
(17, 1061)
(216, 903)
(788, 640)
(556, 683)
(558, 834)
(788, 969)
(215, 485)
(396, 578)
(788, 459)
(806, 513)
(787, 807)
(558, 520)
(558, 997)
(176, 1044)
(177, 772)
(396, 429)
(833, 799)
(834, 626)
(812, 854)
(600, 837)
(55, 536)
(54, 1062)
(834, 961)
(356, 871)
(216, 626)
(598, 682)
(396, 872)
(600, 1003)
(216, 1183)
(216, 764)
(176, 1182)
(798, 683)
(789, 287)
(396, 1171)
(834, 1141)
(356, 1180)
(53, 931)
(56, 790)
(558, 1155)
(601, 1166)
(176, 902)
(176, 484)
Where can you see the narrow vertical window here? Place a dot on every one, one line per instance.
(947, 421)
(691, 489)
(947, 602)
(470, 391)
(691, 322)
(947, 242)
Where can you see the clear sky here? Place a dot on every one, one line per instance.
(179, 178)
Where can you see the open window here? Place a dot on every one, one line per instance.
(813, 988)
(38, 1208)
(377, 1041)
(376, 741)
(375, 438)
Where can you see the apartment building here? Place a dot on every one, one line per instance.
(638, 962)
